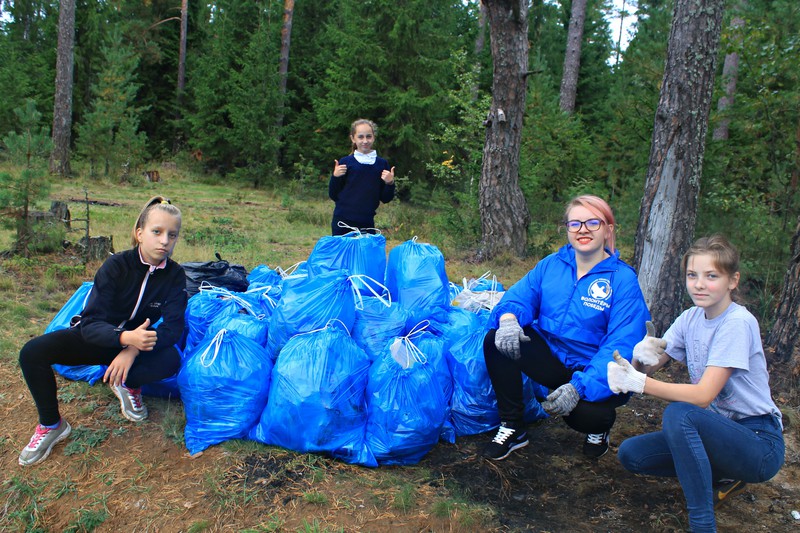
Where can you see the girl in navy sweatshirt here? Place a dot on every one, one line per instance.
(360, 182)
(132, 290)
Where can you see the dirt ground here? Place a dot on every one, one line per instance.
(139, 478)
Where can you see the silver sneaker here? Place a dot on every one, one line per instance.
(42, 443)
(130, 401)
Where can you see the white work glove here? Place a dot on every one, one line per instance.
(561, 401)
(649, 350)
(622, 377)
(508, 336)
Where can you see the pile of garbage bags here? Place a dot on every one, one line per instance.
(367, 359)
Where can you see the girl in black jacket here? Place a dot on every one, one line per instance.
(132, 290)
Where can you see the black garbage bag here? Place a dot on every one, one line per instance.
(218, 273)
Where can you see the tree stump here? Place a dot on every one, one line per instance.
(60, 212)
(97, 249)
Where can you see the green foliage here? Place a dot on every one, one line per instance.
(28, 33)
(557, 160)
(108, 137)
(389, 62)
(29, 150)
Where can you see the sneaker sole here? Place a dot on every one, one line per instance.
(122, 407)
(516, 447)
(50, 449)
(722, 496)
(596, 456)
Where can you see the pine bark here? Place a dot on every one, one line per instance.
(283, 66)
(182, 52)
(572, 57)
(62, 107)
(784, 335)
(730, 74)
(504, 213)
(669, 207)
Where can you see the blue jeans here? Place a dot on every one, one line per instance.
(698, 447)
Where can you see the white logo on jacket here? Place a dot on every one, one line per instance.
(599, 292)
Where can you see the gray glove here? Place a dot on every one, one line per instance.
(561, 401)
(508, 336)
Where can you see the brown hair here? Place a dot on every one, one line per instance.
(724, 254)
(359, 122)
(601, 210)
(156, 202)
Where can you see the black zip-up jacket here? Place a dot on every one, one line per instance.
(114, 295)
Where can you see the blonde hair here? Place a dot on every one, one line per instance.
(601, 210)
(156, 202)
(359, 122)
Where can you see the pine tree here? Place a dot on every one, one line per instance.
(28, 150)
(109, 137)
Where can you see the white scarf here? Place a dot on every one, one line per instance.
(366, 159)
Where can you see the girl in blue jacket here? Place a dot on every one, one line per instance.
(132, 290)
(360, 182)
(560, 325)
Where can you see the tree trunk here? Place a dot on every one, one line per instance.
(283, 65)
(572, 57)
(504, 214)
(669, 207)
(62, 107)
(730, 72)
(784, 335)
(182, 53)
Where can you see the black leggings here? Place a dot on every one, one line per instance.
(539, 364)
(67, 347)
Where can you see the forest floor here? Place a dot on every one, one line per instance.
(112, 475)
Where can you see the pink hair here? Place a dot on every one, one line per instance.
(601, 210)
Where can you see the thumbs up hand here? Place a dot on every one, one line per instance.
(141, 338)
(388, 176)
(649, 350)
(339, 170)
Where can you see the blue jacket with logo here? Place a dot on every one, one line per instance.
(582, 321)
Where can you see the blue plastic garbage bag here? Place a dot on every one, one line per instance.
(252, 327)
(208, 304)
(416, 278)
(435, 349)
(377, 322)
(405, 405)
(73, 307)
(224, 384)
(264, 275)
(356, 252)
(308, 303)
(264, 297)
(317, 402)
(473, 406)
(454, 323)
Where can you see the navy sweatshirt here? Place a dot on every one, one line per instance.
(359, 192)
(114, 294)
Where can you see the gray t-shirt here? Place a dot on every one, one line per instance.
(731, 340)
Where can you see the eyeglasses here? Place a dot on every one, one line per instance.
(574, 226)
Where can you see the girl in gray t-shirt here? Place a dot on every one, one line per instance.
(721, 430)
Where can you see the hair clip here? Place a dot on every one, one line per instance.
(166, 201)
